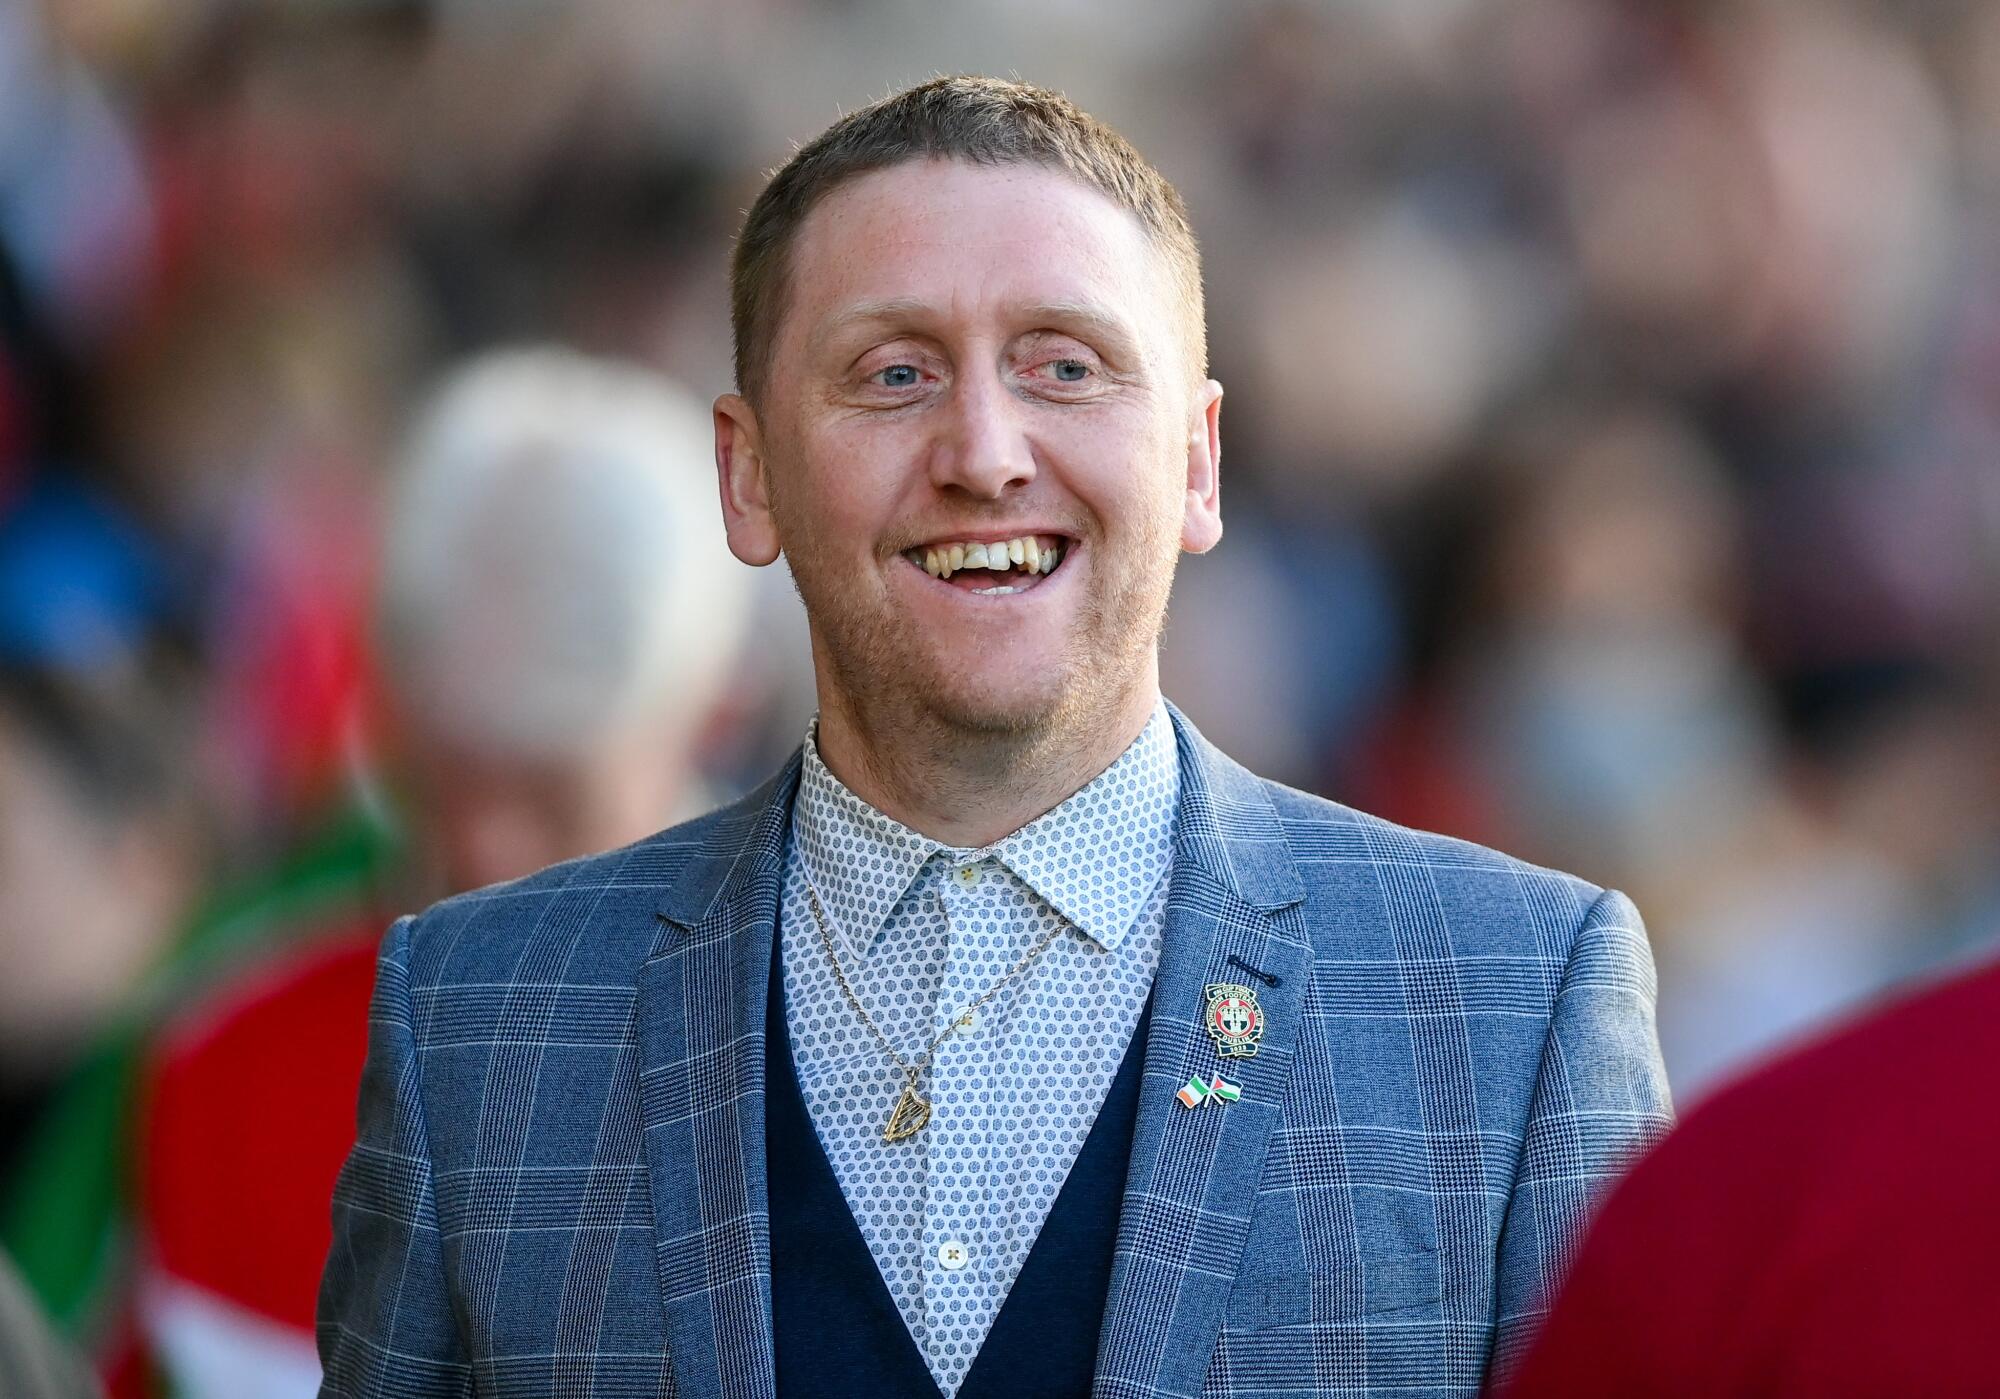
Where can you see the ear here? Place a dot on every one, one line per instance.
(1201, 526)
(739, 470)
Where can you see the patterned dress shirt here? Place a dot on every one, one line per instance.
(922, 930)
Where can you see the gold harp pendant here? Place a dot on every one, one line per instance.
(909, 1116)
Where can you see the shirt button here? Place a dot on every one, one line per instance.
(952, 1255)
(966, 875)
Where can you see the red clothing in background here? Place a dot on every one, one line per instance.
(1829, 1226)
(248, 1115)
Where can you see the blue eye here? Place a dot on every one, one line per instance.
(898, 376)
(1071, 371)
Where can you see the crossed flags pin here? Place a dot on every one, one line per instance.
(1197, 1091)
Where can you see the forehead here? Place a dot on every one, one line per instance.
(966, 241)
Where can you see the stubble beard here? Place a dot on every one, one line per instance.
(918, 711)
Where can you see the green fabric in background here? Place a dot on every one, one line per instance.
(65, 1214)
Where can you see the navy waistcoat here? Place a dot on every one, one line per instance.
(835, 1326)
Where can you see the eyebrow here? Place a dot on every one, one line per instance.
(1094, 321)
(905, 308)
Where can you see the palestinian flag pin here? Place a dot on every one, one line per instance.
(1223, 1091)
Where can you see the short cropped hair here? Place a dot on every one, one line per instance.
(982, 121)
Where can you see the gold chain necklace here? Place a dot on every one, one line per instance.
(912, 1109)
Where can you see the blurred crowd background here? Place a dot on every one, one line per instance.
(1612, 447)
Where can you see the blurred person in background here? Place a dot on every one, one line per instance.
(99, 856)
(1822, 1227)
(559, 626)
(662, 1118)
(557, 631)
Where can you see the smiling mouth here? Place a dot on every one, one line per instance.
(993, 568)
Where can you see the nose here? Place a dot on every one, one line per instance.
(984, 447)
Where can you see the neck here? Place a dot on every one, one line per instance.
(971, 788)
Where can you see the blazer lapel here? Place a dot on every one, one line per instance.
(701, 1006)
(1234, 892)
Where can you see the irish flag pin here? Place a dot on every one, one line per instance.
(1194, 1092)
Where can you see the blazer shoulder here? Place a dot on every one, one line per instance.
(593, 916)
(1513, 900)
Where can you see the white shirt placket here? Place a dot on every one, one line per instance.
(958, 1243)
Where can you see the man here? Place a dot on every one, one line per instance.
(1823, 1227)
(1012, 1040)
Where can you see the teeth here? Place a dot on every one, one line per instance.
(1029, 554)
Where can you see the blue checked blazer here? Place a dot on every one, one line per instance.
(559, 1183)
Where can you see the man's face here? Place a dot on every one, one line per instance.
(971, 356)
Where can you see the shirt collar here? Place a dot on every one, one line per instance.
(1095, 859)
(860, 861)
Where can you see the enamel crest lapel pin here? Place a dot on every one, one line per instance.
(1235, 1021)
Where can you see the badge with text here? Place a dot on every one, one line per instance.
(1235, 1020)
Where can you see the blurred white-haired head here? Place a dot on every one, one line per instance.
(554, 571)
